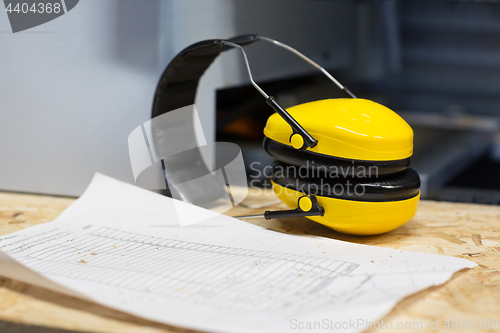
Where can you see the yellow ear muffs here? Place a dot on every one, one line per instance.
(334, 133)
(359, 170)
(347, 130)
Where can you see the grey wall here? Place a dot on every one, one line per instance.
(73, 89)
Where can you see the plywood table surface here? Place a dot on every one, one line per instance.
(461, 230)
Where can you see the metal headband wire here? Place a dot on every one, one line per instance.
(248, 67)
(294, 51)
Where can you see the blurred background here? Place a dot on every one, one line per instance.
(73, 89)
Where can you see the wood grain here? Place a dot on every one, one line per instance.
(461, 230)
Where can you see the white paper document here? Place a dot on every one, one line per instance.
(123, 247)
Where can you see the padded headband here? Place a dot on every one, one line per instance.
(179, 82)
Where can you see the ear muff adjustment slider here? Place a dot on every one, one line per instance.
(306, 203)
(300, 134)
(307, 206)
(297, 141)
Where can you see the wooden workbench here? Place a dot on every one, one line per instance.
(460, 230)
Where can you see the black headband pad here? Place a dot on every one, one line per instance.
(178, 83)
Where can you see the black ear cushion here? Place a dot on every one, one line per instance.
(310, 159)
(400, 186)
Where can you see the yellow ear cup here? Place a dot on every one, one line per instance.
(356, 129)
(355, 217)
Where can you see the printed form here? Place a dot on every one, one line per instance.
(123, 247)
